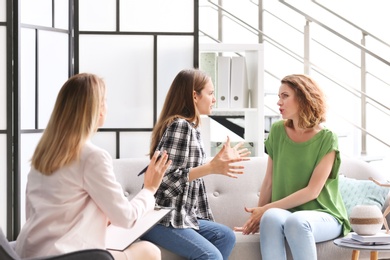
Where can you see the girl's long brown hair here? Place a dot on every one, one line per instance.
(74, 118)
(179, 102)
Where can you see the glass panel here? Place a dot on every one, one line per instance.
(126, 64)
(157, 15)
(106, 141)
(61, 14)
(97, 15)
(134, 144)
(28, 142)
(3, 79)
(27, 79)
(3, 15)
(53, 71)
(3, 182)
(177, 51)
(37, 12)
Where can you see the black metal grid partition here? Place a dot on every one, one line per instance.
(45, 64)
(143, 45)
(7, 52)
(136, 46)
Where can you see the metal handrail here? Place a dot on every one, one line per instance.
(364, 50)
(274, 42)
(340, 56)
(270, 39)
(210, 37)
(219, 7)
(361, 47)
(354, 91)
(319, 43)
(360, 128)
(352, 24)
(295, 55)
(299, 58)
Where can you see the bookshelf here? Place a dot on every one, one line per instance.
(253, 113)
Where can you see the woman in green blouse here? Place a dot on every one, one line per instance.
(300, 202)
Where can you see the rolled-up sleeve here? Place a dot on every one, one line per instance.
(99, 181)
(176, 142)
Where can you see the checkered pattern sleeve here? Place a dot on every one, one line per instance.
(183, 144)
(176, 141)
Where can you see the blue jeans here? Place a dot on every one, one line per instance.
(213, 241)
(301, 230)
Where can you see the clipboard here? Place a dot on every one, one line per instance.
(119, 238)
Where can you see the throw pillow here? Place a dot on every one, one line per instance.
(361, 192)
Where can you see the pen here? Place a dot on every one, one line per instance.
(144, 169)
(158, 207)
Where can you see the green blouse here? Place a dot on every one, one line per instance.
(293, 165)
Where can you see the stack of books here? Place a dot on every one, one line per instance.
(380, 238)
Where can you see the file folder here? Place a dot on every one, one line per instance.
(239, 93)
(223, 82)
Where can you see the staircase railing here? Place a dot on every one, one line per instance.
(365, 99)
(351, 24)
(305, 60)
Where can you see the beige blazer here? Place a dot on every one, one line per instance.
(69, 210)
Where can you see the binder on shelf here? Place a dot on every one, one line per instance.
(208, 65)
(239, 93)
(223, 82)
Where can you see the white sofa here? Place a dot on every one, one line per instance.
(228, 197)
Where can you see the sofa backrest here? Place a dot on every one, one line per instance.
(359, 169)
(126, 171)
(229, 196)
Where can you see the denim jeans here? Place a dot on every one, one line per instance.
(213, 241)
(301, 230)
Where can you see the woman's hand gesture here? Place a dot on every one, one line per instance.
(222, 163)
(253, 223)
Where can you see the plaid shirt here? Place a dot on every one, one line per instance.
(185, 148)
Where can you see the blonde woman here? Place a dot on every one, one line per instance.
(71, 190)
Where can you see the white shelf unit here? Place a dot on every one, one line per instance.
(254, 114)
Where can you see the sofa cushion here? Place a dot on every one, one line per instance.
(361, 192)
(228, 196)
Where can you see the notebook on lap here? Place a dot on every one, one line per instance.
(118, 238)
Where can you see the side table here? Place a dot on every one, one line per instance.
(356, 248)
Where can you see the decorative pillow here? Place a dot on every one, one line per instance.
(361, 192)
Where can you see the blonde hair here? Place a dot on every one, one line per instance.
(179, 102)
(74, 118)
(311, 100)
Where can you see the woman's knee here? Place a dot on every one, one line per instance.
(273, 221)
(229, 236)
(224, 243)
(273, 216)
(143, 250)
(296, 223)
(153, 252)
